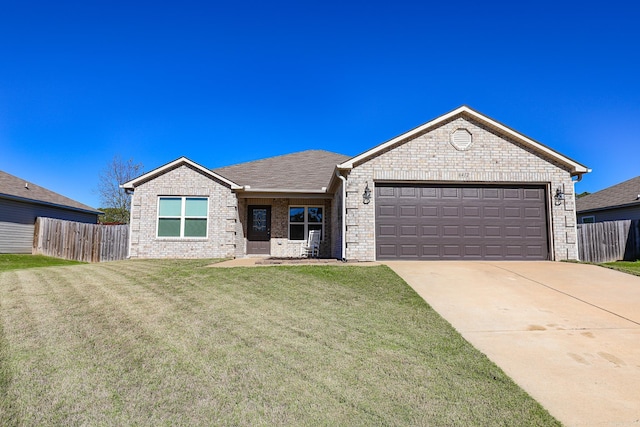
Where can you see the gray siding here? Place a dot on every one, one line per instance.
(18, 218)
(612, 214)
(16, 238)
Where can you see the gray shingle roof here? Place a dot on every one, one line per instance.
(13, 187)
(305, 170)
(623, 194)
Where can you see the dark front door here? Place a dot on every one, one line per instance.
(259, 230)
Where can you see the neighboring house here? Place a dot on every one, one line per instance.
(620, 201)
(21, 202)
(462, 186)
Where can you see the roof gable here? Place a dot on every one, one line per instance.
(130, 185)
(626, 193)
(307, 171)
(16, 188)
(574, 167)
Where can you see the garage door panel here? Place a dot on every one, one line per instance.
(472, 231)
(387, 211)
(429, 211)
(409, 231)
(382, 192)
(408, 211)
(512, 193)
(492, 231)
(491, 212)
(449, 193)
(431, 251)
(473, 251)
(387, 231)
(453, 251)
(429, 231)
(387, 250)
(512, 212)
(428, 193)
(471, 193)
(466, 222)
(533, 194)
(471, 212)
(490, 194)
(410, 251)
(533, 212)
(450, 211)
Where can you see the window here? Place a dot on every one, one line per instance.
(588, 219)
(182, 216)
(305, 218)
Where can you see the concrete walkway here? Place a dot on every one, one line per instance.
(569, 334)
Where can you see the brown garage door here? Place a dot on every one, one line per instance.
(453, 222)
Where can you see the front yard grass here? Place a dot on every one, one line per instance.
(630, 267)
(20, 261)
(177, 343)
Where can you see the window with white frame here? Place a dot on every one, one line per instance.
(588, 219)
(305, 218)
(182, 216)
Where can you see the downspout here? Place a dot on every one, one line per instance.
(130, 191)
(344, 215)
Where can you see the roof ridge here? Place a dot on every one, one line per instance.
(278, 156)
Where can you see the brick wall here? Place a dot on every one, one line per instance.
(222, 226)
(430, 157)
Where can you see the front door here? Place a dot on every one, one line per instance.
(259, 230)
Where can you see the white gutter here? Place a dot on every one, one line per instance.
(249, 189)
(344, 215)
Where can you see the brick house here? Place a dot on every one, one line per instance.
(462, 186)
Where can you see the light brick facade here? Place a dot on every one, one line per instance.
(431, 158)
(461, 147)
(222, 225)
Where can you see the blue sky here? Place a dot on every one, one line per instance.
(227, 82)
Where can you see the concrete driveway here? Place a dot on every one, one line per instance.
(569, 334)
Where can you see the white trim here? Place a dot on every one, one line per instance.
(343, 189)
(130, 185)
(282, 190)
(576, 168)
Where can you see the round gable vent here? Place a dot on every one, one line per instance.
(461, 139)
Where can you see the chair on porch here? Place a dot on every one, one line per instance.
(312, 247)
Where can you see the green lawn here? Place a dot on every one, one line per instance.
(177, 343)
(625, 266)
(15, 261)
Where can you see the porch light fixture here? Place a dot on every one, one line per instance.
(366, 196)
(559, 196)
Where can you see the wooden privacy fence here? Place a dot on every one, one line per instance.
(609, 241)
(79, 241)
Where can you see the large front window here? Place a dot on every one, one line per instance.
(304, 218)
(182, 216)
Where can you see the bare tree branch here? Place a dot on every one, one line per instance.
(112, 197)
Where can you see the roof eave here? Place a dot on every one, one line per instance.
(55, 205)
(249, 189)
(131, 185)
(606, 208)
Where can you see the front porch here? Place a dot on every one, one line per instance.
(278, 227)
